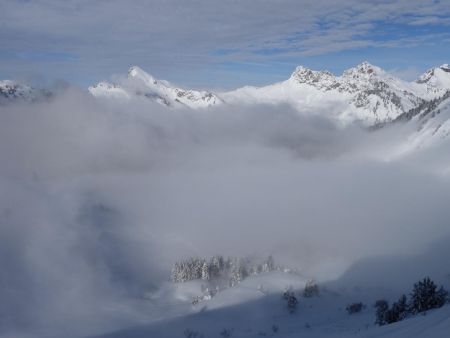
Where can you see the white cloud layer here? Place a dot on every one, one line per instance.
(97, 201)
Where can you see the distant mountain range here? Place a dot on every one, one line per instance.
(365, 94)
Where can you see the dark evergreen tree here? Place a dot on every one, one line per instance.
(401, 308)
(382, 306)
(398, 311)
(426, 296)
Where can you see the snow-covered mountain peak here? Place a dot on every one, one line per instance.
(320, 79)
(138, 73)
(141, 84)
(438, 76)
(364, 70)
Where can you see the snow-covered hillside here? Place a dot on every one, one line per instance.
(141, 84)
(255, 308)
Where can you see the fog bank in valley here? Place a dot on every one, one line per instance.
(98, 200)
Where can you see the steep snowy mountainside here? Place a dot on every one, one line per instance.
(436, 78)
(141, 84)
(431, 123)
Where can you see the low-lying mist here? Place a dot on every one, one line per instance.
(98, 199)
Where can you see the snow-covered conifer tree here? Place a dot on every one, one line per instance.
(205, 271)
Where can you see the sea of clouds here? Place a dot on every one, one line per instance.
(98, 199)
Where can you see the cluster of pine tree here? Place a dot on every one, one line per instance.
(424, 296)
(232, 269)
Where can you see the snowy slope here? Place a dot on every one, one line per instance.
(429, 124)
(436, 78)
(141, 84)
(255, 308)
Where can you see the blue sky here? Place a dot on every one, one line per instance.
(217, 44)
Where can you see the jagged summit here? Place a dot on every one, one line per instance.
(367, 67)
(350, 80)
(303, 73)
(321, 79)
(363, 70)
